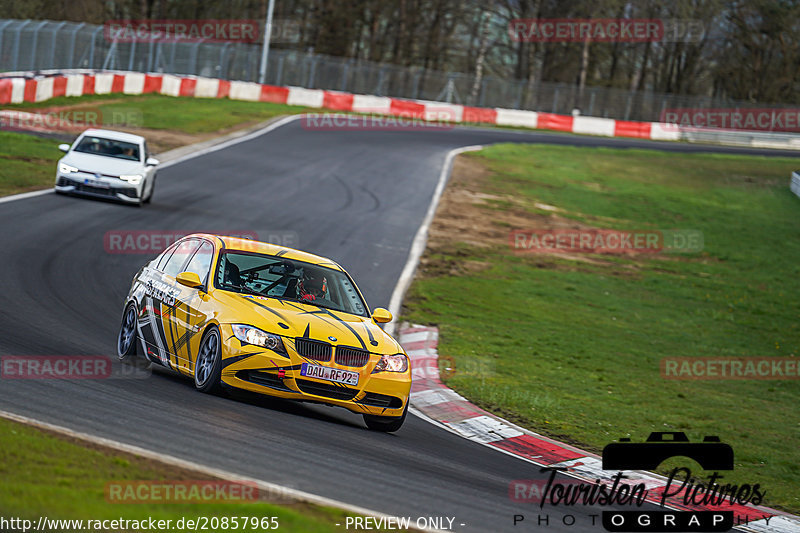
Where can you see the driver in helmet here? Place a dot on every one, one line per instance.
(313, 287)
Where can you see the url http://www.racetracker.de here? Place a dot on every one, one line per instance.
(197, 523)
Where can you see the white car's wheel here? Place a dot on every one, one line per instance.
(152, 190)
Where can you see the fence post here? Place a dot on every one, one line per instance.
(159, 58)
(555, 100)
(54, 31)
(36, 43)
(379, 86)
(343, 78)
(195, 49)
(628, 106)
(171, 65)
(223, 59)
(73, 38)
(280, 69)
(312, 71)
(150, 56)
(110, 60)
(91, 49)
(3, 27)
(415, 91)
(133, 53)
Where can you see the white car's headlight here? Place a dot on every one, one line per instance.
(133, 179)
(66, 169)
(251, 335)
(392, 363)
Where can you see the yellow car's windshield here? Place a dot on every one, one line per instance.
(276, 277)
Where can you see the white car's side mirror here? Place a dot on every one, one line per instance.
(63, 147)
(152, 162)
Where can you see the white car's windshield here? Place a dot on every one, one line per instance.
(276, 277)
(109, 148)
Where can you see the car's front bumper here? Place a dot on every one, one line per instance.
(76, 185)
(259, 370)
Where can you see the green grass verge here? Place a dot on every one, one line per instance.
(26, 162)
(572, 349)
(50, 476)
(159, 112)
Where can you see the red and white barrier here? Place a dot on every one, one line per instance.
(18, 90)
(434, 401)
(15, 90)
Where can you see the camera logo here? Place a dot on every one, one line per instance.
(711, 454)
(686, 503)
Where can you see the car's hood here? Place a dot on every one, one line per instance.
(294, 319)
(103, 164)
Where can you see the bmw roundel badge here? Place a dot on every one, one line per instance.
(332, 338)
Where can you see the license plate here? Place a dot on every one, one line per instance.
(95, 183)
(331, 374)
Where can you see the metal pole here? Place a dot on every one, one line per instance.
(262, 72)
(54, 33)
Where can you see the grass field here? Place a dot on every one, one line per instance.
(159, 112)
(27, 163)
(571, 346)
(60, 479)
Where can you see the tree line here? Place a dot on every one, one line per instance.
(746, 49)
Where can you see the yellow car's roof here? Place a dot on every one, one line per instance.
(247, 245)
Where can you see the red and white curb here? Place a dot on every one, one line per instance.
(435, 402)
(16, 88)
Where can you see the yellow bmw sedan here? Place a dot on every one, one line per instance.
(236, 313)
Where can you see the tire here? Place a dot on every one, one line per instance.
(127, 346)
(387, 424)
(208, 368)
(152, 190)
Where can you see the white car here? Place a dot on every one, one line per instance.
(108, 164)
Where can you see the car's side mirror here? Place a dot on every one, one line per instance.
(190, 279)
(152, 162)
(63, 147)
(381, 315)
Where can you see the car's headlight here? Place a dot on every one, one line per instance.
(251, 335)
(392, 363)
(133, 179)
(66, 169)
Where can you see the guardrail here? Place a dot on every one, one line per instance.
(43, 44)
(19, 87)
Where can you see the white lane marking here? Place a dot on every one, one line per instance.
(485, 429)
(432, 397)
(421, 238)
(24, 195)
(271, 488)
(419, 336)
